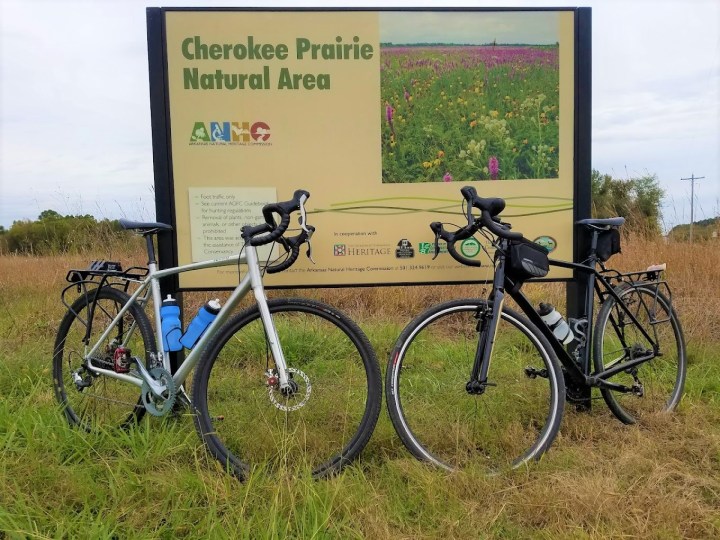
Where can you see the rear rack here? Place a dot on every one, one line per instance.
(134, 274)
(100, 274)
(652, 276)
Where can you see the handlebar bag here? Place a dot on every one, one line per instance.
(526, 259)
(608, 244)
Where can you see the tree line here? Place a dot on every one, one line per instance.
(637, 199)
(52, 233)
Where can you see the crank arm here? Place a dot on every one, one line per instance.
(155, 387)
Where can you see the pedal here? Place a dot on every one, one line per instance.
(533, 373)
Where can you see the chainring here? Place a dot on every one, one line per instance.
(159, 406)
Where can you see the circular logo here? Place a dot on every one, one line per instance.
(260, 131)
(547, 242)
(470, 247)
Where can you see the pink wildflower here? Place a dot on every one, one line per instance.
(389, 112)
(493, 167)
(448, 177)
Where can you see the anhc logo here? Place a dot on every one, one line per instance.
(230, 133)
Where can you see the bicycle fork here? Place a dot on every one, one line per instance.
(487, 327)
(268, 323)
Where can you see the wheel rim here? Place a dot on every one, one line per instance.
(315, 426)
(508, 425)
(106, 401)
(657, 382)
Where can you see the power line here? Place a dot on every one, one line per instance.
(692, 200)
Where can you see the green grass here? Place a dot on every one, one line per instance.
(600, 479)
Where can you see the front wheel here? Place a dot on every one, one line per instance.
(513, 422)
(657, 383)
(322, 421)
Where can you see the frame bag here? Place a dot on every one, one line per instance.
(527, 260)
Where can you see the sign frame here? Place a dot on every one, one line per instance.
(162, 135)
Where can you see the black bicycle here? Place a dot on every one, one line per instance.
(474, 382)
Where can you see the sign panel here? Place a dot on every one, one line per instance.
(382, 116)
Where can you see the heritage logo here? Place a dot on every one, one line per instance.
(241, 133)
(343, 250)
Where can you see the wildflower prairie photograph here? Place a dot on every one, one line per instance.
(469, 96)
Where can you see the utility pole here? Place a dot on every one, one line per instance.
(692, 200)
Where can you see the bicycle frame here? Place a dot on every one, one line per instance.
(580, 375)
(151, 286)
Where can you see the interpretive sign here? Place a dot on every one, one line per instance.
(382, 116)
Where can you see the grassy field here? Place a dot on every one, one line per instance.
(601, 479)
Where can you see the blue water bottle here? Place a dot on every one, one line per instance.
(202, 320)
(170, 324)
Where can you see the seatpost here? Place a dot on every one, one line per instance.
(150, 249)
(579, 298)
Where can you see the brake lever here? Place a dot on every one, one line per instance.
(309, 230)
(303, 215)
(437, 245)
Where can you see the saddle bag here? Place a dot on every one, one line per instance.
(608, 244)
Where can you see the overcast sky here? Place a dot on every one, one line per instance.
(75, 112)
(504, 27)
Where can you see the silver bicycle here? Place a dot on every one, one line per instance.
(288, 382)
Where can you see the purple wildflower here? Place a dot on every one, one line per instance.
(389, 116)
(493, 167)
(448, 177)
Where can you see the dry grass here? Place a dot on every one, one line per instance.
(600, 480)
(693, 272)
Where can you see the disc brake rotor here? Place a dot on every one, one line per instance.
(297, 398)
(155, 405)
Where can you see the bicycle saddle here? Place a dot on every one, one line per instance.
(601, 223)
(144, 226)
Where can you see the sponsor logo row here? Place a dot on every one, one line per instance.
(404, 249)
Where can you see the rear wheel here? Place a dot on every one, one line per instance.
(656, 384)
(88, 398)
(321, 422)
(514, 421)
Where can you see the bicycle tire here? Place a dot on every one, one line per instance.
(106, 401)
(662, 377)
(514, 422)
(236, 416)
